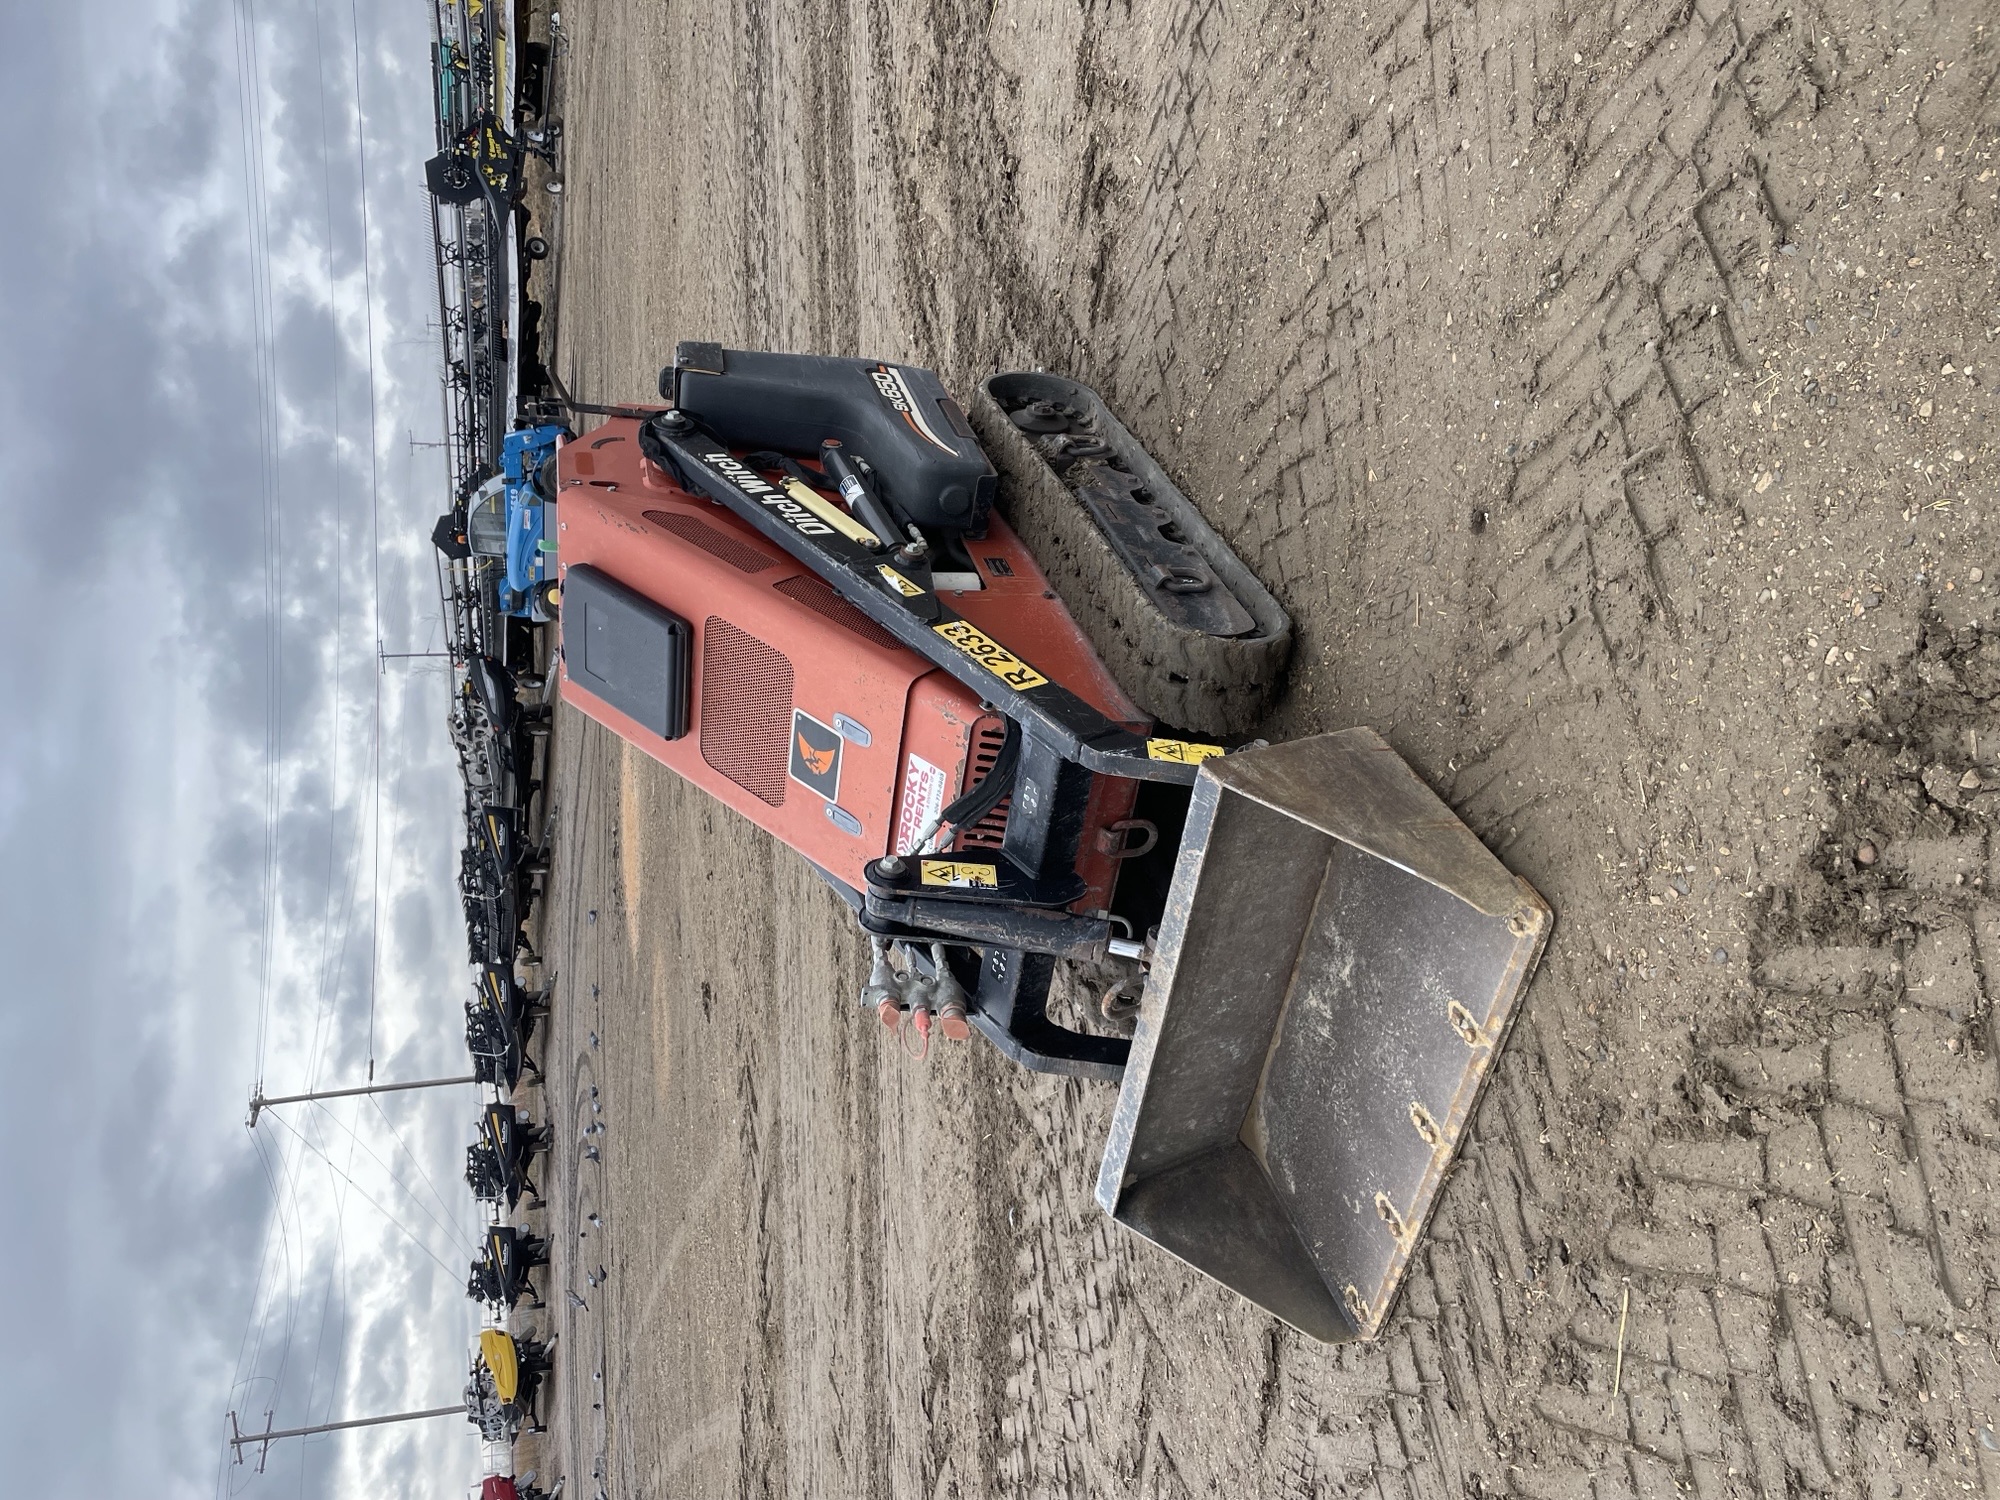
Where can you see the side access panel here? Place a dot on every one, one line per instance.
(1338, 966)
(628, 650)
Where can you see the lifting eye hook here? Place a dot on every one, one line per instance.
(1113, 841)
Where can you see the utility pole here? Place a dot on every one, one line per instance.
(259, 1102)
(239, 1440)
(383, 658)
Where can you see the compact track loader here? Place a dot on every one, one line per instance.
(994, 709)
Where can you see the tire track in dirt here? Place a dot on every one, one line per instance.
(1637, 324)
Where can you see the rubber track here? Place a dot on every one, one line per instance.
(1204, 683)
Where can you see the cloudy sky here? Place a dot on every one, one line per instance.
(226, 852)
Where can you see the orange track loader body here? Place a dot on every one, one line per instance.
(772, 642)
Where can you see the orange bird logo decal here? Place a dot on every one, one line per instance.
(819, 762)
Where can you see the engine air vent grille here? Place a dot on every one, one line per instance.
(746, 709)
(817, 595)
(712, 540)
(988, 735)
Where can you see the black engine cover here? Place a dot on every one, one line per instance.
(898, 417)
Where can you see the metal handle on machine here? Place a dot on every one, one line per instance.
(591, 408)
(1114, 838)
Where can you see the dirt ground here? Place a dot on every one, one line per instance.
(1608, 392)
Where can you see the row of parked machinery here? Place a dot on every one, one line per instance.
(500, 730)
(501, 735)
(491, 543)
(494, 84)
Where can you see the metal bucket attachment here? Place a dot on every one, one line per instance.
(1337, 968)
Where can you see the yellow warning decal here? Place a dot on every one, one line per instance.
(958, 873)
(830, 513)
(991, 655)
(899, 583)
(1182, 752)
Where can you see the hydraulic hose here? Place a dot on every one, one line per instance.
(976, 802)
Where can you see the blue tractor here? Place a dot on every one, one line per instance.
(505, 522)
